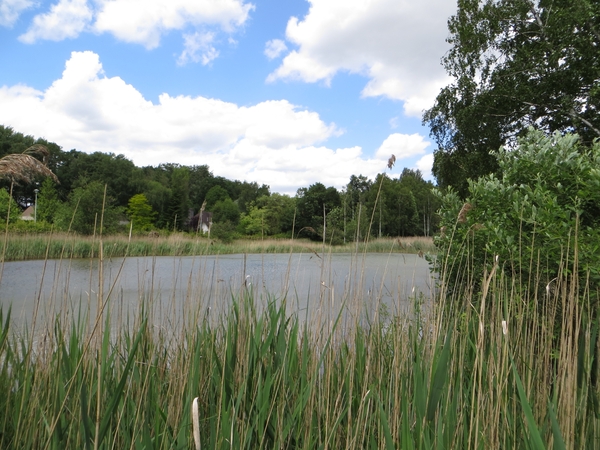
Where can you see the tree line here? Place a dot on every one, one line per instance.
(112, 189)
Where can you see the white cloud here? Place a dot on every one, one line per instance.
(141, 22)
(397, 44)
(10, 10)
(272, 142)
(425, 164)
(274, 48)
(198, 48)
(145, 21)
(402, 146)
(66, 19)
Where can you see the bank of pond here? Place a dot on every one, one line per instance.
(20, 247)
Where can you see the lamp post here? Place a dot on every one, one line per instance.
(35, 191)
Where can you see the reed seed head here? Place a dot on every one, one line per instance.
(391, 161)
(196, 423)
(462, 215)
(24, 168)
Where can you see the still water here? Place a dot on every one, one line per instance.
(172, 286)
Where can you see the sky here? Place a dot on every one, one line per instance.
(286, 93)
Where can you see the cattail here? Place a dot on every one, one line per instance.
(196, 423)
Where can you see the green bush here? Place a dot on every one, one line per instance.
(5, 200)
(224, 231)
(29, 226)
(542, 214)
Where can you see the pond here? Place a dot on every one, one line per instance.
(172, 286)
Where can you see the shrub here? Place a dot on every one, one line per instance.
(542, 214)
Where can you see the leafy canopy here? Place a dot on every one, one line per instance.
(140, 213)
(515, 64)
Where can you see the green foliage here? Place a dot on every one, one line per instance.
(269, 215)
(225, 211)
(115, 171)
(140, 213)
(47, 201)
(83, 211)
(178, 207)
(30, 226)
(8, 204)
(158, 196)
(255, 223)
(542, 212)
(224, 231)
(314, 202)
(214, 195)
(405, 206)
(173, 191)
(515, 64)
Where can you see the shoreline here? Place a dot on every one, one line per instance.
(26, 247)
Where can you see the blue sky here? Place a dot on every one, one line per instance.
(286, 93)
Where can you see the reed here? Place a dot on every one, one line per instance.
(21, 247)
(477, 368)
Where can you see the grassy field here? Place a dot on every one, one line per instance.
(20, 247)
(497, 366)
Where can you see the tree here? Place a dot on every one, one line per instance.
(254, 222)
(140, 213)
(47, 201)
(425, 202)
(226, 211)
(250, 192)
(214, 195)
(179, 205)
(314, 202)
(83, 212)
(107, 168)
(158, 195)
(279, 212)
(515, 64)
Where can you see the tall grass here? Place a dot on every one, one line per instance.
(489, 366)
(21, 247)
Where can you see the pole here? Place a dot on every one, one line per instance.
(35, 191)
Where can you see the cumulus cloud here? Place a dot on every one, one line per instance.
(397, 44)
(66, 19)
(141, 22)
(274, 48)
(272, 142)
(10, 10)
(425, 164)
(402, 146)
(145, 21)
(198, 48)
